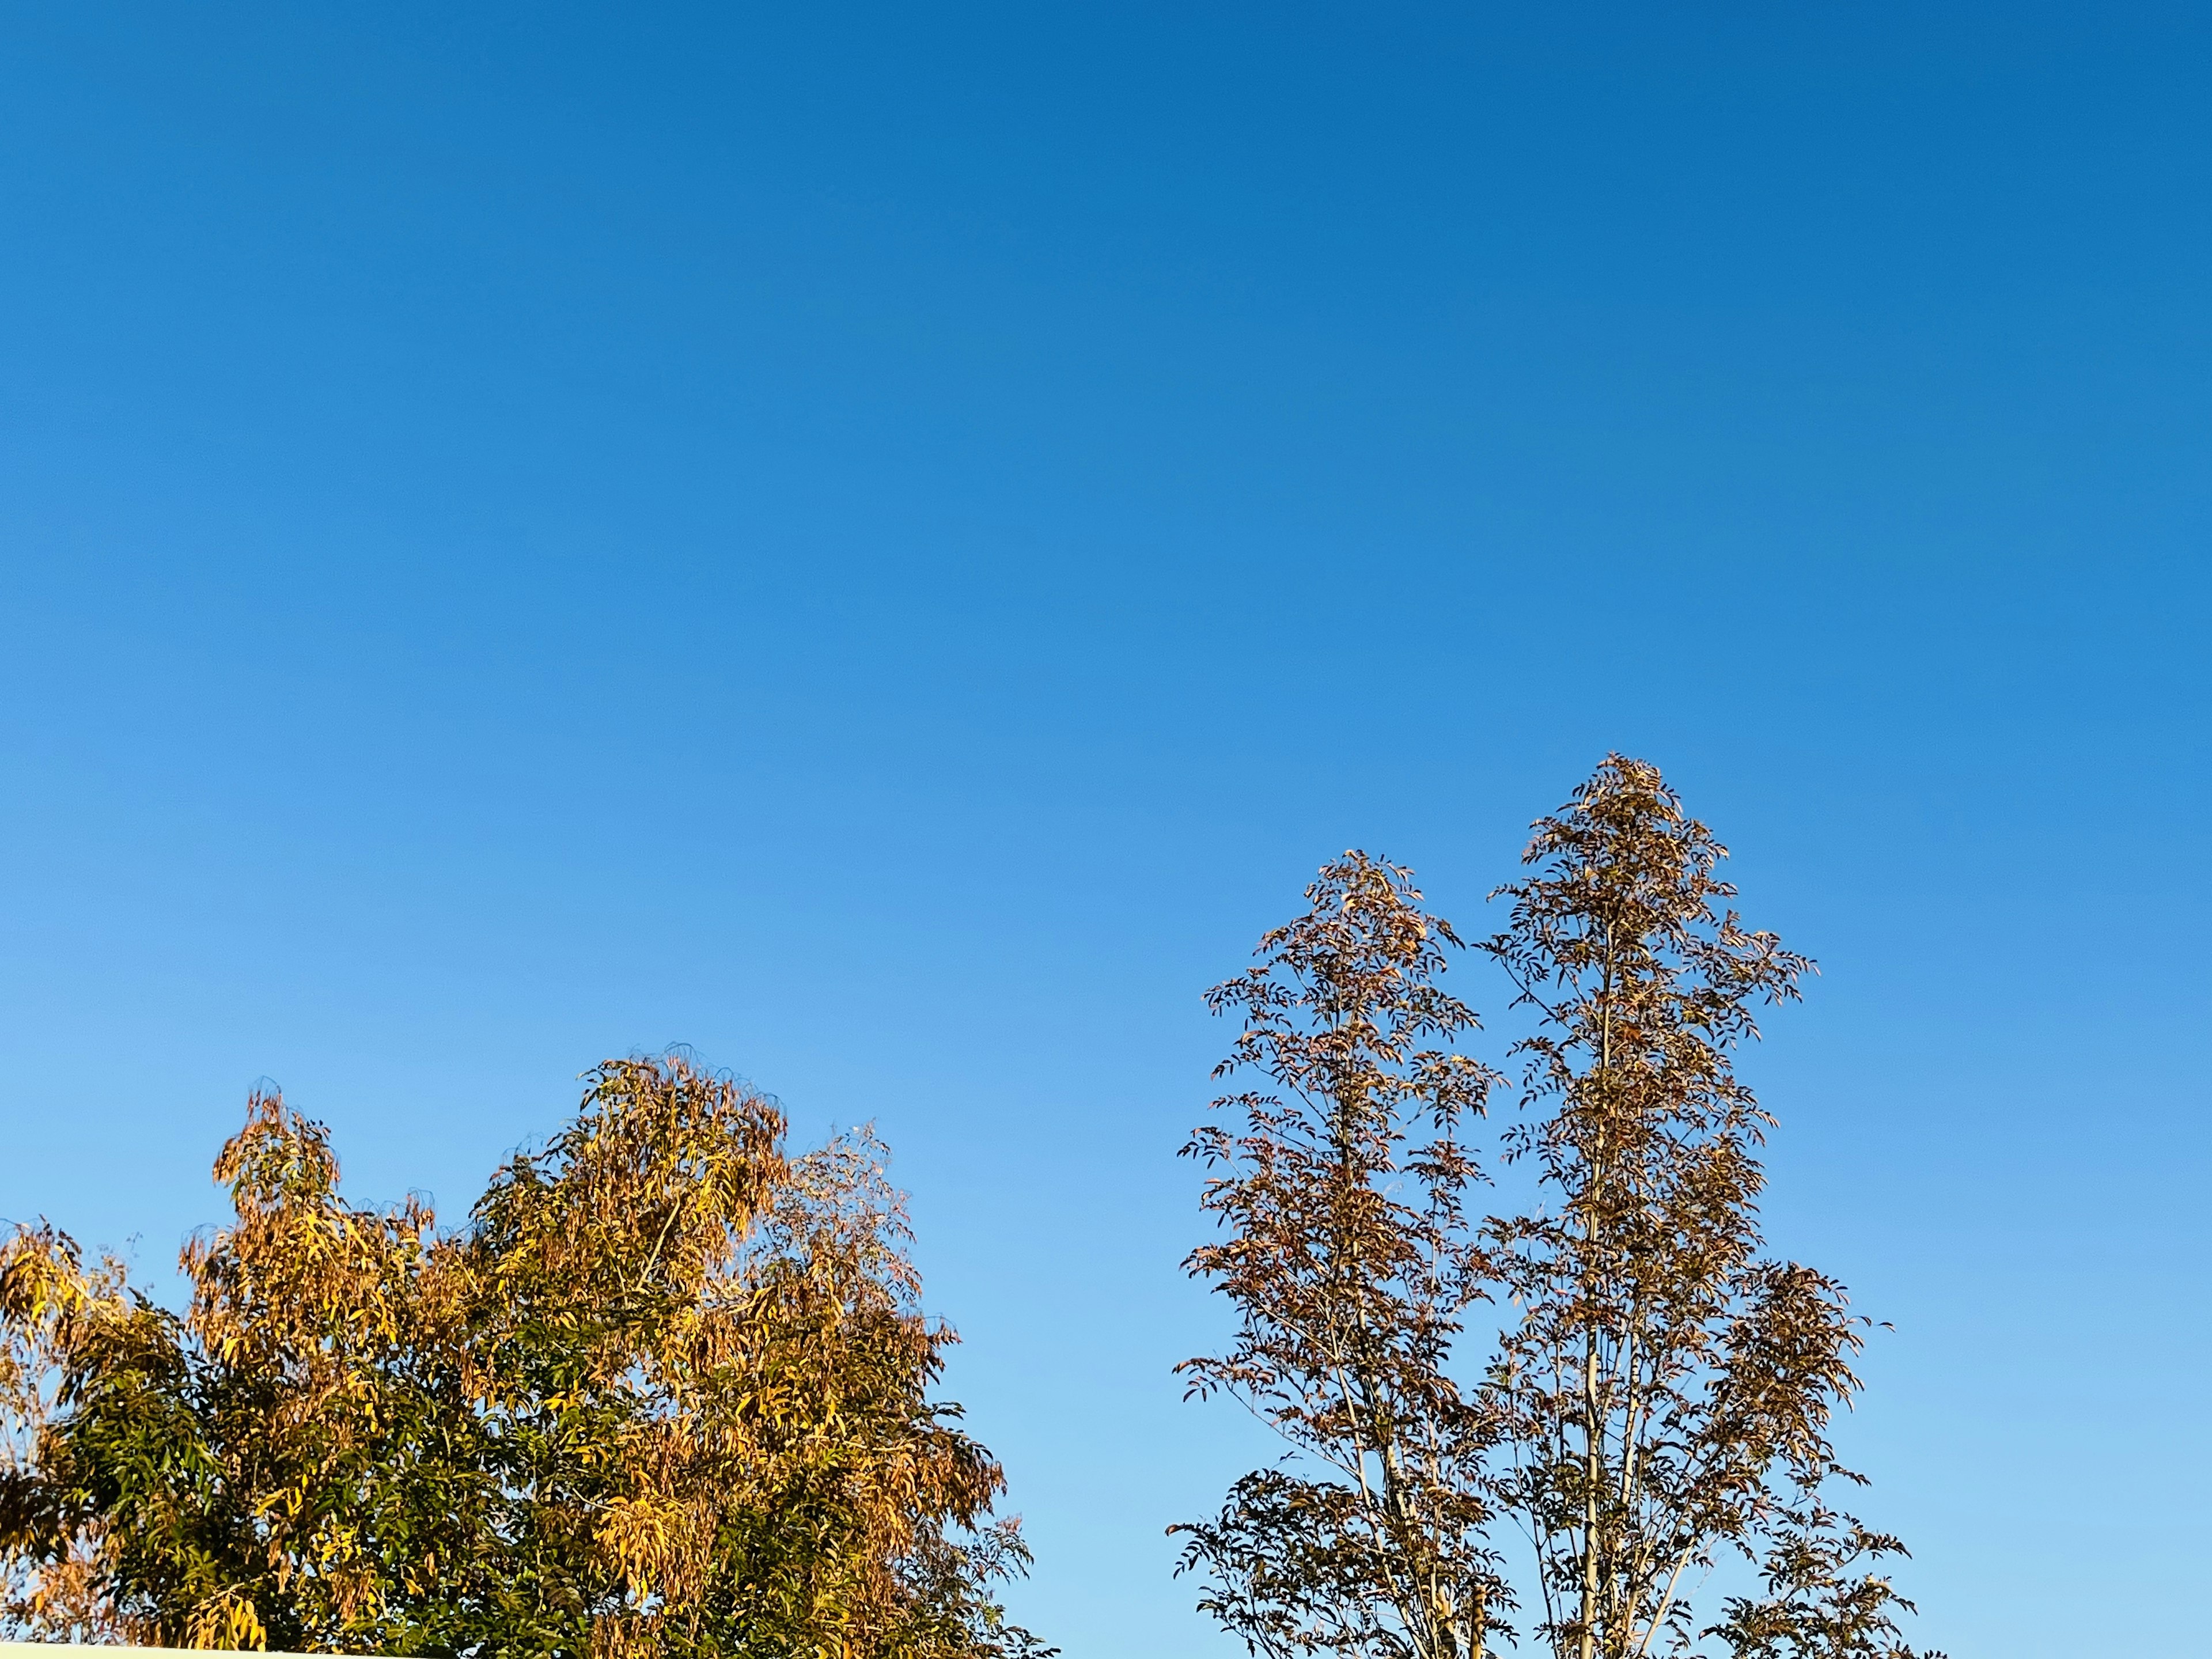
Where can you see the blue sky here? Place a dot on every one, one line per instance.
(886, 543)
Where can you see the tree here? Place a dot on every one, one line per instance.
(1349, 1261)
(668, 1390)
(1661, 1397)
(1667, 1392)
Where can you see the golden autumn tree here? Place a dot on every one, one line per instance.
(667, 1390)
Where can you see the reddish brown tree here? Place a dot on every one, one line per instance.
(1346, 1252)
(1667, 1392)
(1661, 1399)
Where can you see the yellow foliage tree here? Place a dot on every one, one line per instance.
(667, 1391)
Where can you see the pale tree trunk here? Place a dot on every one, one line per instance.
(1593, 1417)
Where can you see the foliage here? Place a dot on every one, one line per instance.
(667, 1391)
(1349, 1264)
(1667, 1390)
(1660, 1395)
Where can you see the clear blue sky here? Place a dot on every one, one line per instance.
(885, 543)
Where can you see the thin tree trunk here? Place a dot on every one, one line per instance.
(1593, 1426)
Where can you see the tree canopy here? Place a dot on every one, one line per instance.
(667, 1390)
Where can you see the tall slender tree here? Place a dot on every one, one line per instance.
(1660, 1399)
(1667, 1392)
(1341, 1188)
